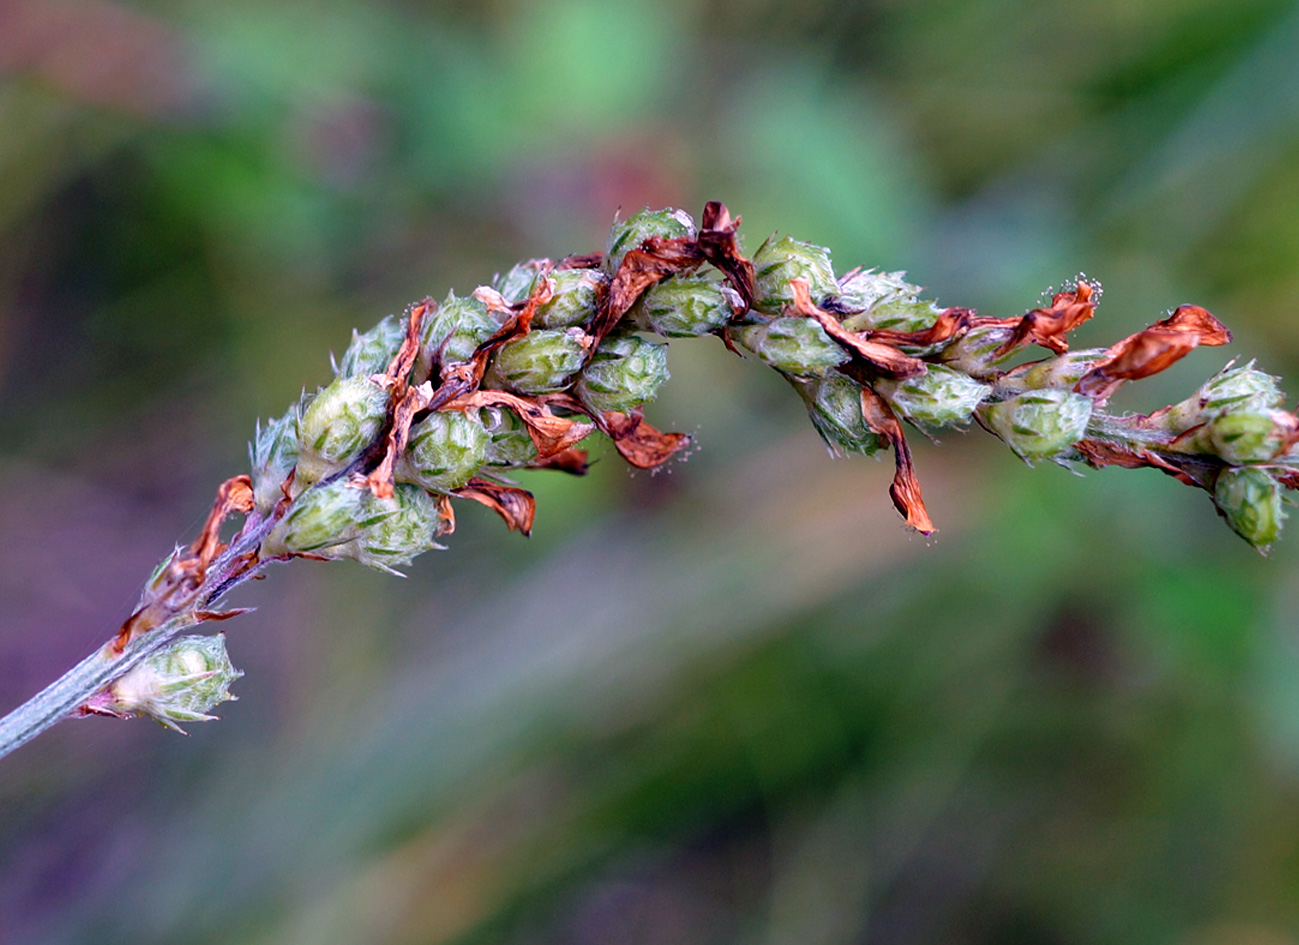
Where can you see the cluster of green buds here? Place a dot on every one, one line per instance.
(865, 351)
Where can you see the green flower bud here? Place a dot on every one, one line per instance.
(834, 404)
(444, 452)
(794, 345)
(777, 261)
(517, 284)
(895, 315)
(686, 306)
(1246, 436)
(1243, 389)
(457, 328)
(511, 444)
(371, 353)
(974, 353)
(1064, 371)
(628, 234)
(541, 362)
(576, 295)
(321, 520)
(337, 426)
(625, 372)
(1039, 424)
(940, 397)
(1250, 500)
(273, 454)
(866, 289)
(179, 683)
(402, 528)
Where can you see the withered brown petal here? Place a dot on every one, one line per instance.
(655, 259)
(949, 324)
(635, 440)
(1153, 350)
(905, 489)
(716, 241)
(515, 505)
(1048, 326)
(582, 261)
(884, 359)
(1101, 453)
(446, 516)
(572, 460)
(381, 478)
(550, 433)
(402, 362)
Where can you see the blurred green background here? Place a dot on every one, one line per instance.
(732, 702)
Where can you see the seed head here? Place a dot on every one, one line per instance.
(273, 454)
(628, 234)
(1250, 500)
(939, 397)
(457, 328)
(517, 284)
(337, 426)
(1064, 371)
(1246, 436)
(1243, 389)
(371, 352)
(576, 294)
(402, 527)
(1039, 424)
(511, 444)
(865, 290)
(179, 683)
(686, 306)
(541, 362)
(321, 520)
(834, 404)
(797, 346)
(625, 372)
(777, 261)
(975, 352)
(445, 450)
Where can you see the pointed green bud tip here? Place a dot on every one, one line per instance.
(320, 520)
(628, 234)
(834, 404)
(576, 295)
(1064, 371)
(541, 362)
(273, 454)
(777, 261)
(179, 683)
(942, 396)
(1235, 390)
(518, 283)
(399, 529)
(511, 444)
(865, 289)
(686, 306)
(337, 426)
(1250, 500)
(1039, 424)
(625, 372)
(794, 345)
(456, 330)
(371, 352)
(444, 451)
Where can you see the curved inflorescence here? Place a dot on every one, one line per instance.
(444, 402)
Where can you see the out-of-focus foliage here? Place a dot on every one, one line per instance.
(735, 702)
